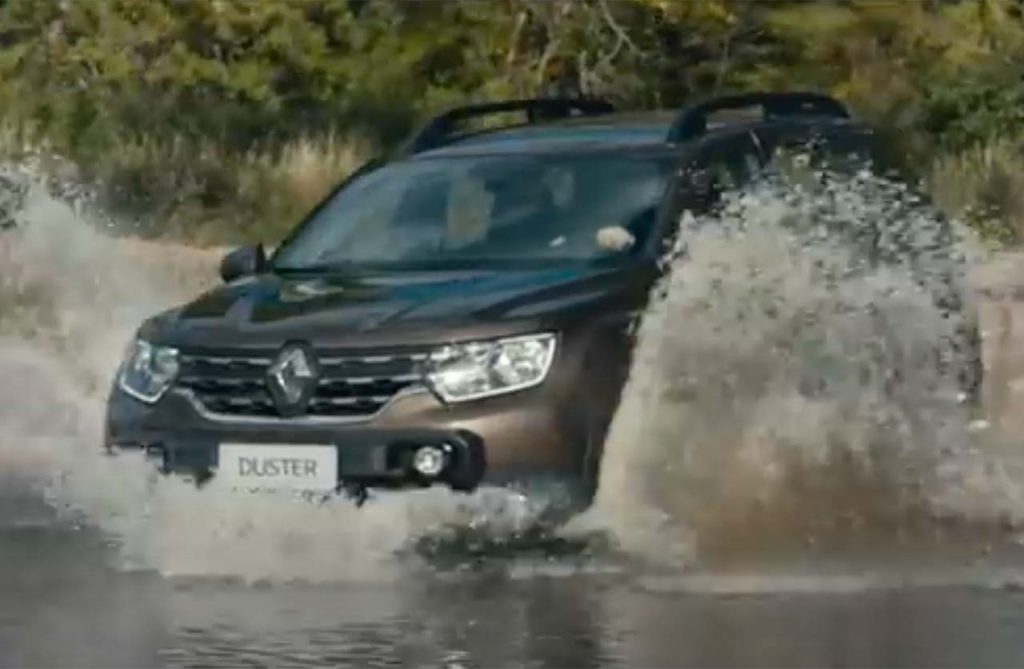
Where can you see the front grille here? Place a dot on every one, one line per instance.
(350, 386)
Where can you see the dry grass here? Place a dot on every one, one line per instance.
(984, 186)
(306, 169)
(184, 266)
(199, 193)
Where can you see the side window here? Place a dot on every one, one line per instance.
(718, 168)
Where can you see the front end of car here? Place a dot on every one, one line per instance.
(480, 411)
(455, 320)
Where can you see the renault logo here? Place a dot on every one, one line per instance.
(292, 379)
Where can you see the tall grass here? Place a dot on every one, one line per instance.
(984, 186)
(200, 193)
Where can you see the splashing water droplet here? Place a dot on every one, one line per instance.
(796, 378)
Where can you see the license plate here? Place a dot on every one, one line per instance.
(278, 466)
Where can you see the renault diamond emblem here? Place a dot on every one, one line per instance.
(292, 379)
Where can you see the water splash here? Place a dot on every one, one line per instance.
(762, 408)
(70, 298)
(787, 391)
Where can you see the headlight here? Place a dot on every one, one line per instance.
(473, 370)
(148, 371)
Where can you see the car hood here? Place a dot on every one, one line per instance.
(392, 309)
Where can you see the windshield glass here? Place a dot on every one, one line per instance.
(475, 210)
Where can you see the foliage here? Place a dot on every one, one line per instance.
(213, 113)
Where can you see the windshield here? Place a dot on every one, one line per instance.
(484, 209)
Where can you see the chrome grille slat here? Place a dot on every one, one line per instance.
(350, 386)
(352, 401)
(225, 360)
(352, 380)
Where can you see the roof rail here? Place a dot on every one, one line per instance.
(439, 130)
(692, 120)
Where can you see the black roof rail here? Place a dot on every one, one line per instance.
(441, 128)
(692, 120)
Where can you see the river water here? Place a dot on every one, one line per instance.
(63, 605)
(742, 521)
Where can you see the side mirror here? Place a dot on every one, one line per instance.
(244, 261)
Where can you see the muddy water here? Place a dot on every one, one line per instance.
(63, 604)
(751, 554)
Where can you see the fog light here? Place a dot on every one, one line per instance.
(428, 460)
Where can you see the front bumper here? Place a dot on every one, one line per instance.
(493, 441)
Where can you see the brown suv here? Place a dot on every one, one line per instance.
(459, 313)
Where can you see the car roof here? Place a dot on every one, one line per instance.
(642, 132)
(635, 130)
